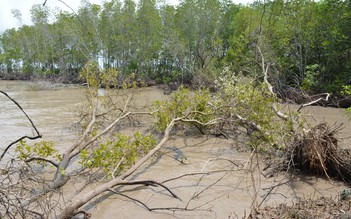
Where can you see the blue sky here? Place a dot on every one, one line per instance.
(8, 21)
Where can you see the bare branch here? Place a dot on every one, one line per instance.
(281, 115)
(195, 174)
(265, 68)
(147, 207)
(89, 127)
(271, 189)
(38, 135)
(133, 199)
(219, 159)
(315, 101)
(252, 125)
(154, 150)
(212, 122)
(42, 159)
(152, 209)
(19, 106)
(108, 128)
(148, 183)
(197, 194)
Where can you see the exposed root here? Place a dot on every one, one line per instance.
(317, 152)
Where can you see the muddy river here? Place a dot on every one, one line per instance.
(221, 194)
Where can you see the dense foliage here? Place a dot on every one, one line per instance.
(308, 43)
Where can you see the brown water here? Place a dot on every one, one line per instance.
(216, 195)
(52, 111)
(332, 116)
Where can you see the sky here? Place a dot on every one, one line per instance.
(6, 6)
(8, 21)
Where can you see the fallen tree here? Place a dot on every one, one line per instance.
(107, 159)
(314, 150)
(101, 152)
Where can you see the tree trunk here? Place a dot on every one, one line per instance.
(72, 207)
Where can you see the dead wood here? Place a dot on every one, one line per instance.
(317, 152)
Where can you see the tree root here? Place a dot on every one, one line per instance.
(317, 152)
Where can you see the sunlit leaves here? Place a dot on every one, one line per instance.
(117, 153)
(43, 149)
(183, 104)
(252, 101)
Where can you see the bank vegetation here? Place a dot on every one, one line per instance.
(308, 43)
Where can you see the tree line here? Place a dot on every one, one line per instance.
(307, 43)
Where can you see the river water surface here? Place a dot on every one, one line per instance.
(216, 195)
